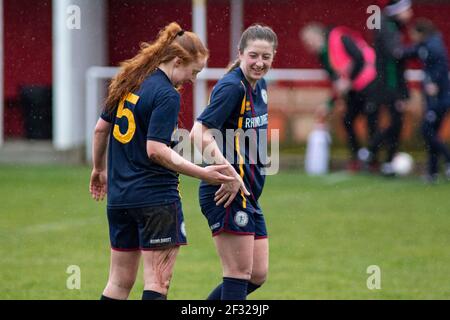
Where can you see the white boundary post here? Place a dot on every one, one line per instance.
(76, 47)
(236, 25)
(199, 27)
(94, 100)
(62, 80)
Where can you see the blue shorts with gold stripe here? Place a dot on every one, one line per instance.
(234, 219)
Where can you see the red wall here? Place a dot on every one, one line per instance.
(291, 16)
(28, 44)
(28, 31)
(132, 22)
(286, 18)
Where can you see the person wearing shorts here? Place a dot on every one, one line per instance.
(141, 175)
(238, 104)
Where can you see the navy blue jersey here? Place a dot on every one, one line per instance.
(434, 57)
(234, 104)
(151, 113)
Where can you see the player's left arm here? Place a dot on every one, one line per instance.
(98, 181)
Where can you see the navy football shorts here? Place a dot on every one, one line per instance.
(149, 228)
(234, 219)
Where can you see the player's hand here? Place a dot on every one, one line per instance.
(431, 89)
(215, 174)
(98, 185)
(228, 191)
(342, 86)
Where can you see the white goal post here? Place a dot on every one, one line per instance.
(96, 77)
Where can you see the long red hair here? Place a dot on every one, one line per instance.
(170, 43)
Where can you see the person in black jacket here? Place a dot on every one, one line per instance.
(431, 50)
(391, 83)
(350, 63)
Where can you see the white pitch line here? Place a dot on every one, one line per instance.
(335, 178)
(58, 226)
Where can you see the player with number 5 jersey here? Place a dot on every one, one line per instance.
(141, 175)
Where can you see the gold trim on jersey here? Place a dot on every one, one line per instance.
(241, 159)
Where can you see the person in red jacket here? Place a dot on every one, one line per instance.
(350, 63)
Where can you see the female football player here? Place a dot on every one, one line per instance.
(141, 175)
(239, 102)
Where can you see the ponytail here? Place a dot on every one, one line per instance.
(171, 42)
(233, 65)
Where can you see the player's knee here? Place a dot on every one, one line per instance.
(258, 280)
(241, 272)
(259, 276)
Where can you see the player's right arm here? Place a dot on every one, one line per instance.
(162, 154)
(98, 181)
(163, 122)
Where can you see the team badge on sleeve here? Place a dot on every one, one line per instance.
(264, 95)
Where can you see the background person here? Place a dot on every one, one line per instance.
(350, 63)
(430, 49)
(392, 90)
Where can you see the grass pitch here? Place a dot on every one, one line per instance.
(324, 234)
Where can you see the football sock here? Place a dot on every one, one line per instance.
(252, 287)
(153, 295)
(216, 294)
(107, 298)
(234, 289)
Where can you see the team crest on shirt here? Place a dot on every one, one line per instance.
(241, 218)
(264, 95)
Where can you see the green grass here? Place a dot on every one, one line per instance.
(324, 233)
